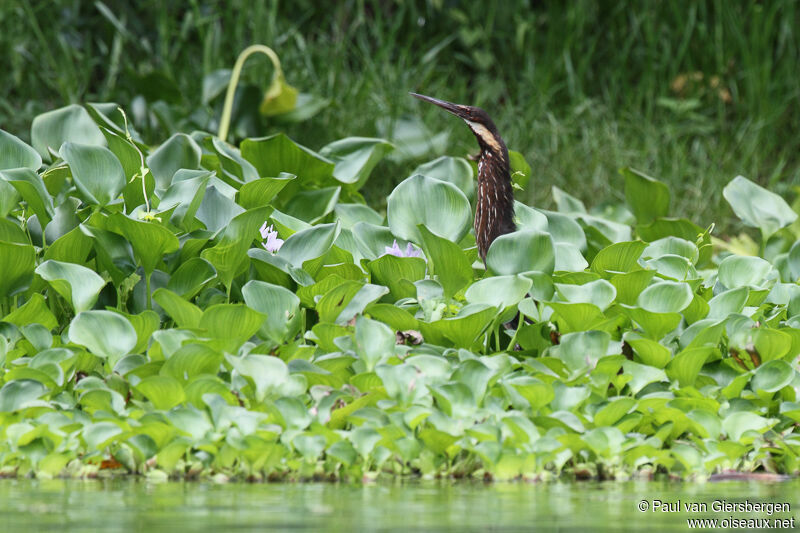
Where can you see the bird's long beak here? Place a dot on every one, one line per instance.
(455, 109)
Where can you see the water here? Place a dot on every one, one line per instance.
(136, 505)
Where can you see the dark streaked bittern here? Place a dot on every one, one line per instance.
(494, 214)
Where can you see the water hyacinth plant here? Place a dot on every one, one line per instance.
(194, 342)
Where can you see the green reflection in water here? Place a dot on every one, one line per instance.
(134, 505)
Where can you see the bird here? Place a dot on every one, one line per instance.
(494, 212)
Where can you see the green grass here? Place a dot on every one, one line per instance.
(580, 88)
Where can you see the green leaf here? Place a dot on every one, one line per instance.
(642, 375)
(455, 170)
(16, 154)
(309, 243)
(150, 240)
(772, 344)
(743, 271)
(727, 303)
(647, 197)
(34, 311)
(738, 423)
(18, 394)
(17, 262)
(399, 273)
(463, 329)
(611, 413)
(440, 206)
(281, 307)
(262, 191)
(190, 360)
(184, 313)
(265, 373)
(31, 187)
(374, 342)
(521, 251)
(104, 333)
(164, 392)
(236, 321)
(454, 399)
(772, 377)
(78, 285)
(666, 297)
(312, 206)
(355, 158)
(758, 207)
(649, 351)
(72, 123)
(618, 258)
(599, 292)
(229, 256)
(499, 291)
(566, 203)
(686, 365)
(191, 276)
(584, 348)
(447, 261)
(96, 172)
(655, 325)
(278, 153)
(178, 152)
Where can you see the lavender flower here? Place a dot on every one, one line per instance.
(395, 250)
(273, 243)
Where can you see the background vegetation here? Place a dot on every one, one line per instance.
(692, 93)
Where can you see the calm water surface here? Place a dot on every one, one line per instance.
(136, 505)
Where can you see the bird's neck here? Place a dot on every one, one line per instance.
(494, 215)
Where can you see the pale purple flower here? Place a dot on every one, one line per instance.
(395, 250)
(273, 243)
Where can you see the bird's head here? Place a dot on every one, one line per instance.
(478, 121)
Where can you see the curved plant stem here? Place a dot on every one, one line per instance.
(225, 121)
(142, 168)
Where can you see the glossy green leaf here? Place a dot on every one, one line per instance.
(355, 158)
(600, 293)
(78, 285)
(309, 244)
(17, 262)
(16, 154)
(742, 271)
(71, 123)
(618, 258)
(666, 297)
(164, 392)
(236, 321)
(440, 206)
(264, 372)
(31, 188)
(447, 261)
(18, 394)
(647, 197)
(280, 305)
(758, 207)
(178, 152)
(521, 251)
(96, 171)
(104, 333)
(499, 291)
(150, 240)
(455, 170)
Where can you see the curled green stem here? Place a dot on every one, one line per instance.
(225, 121)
